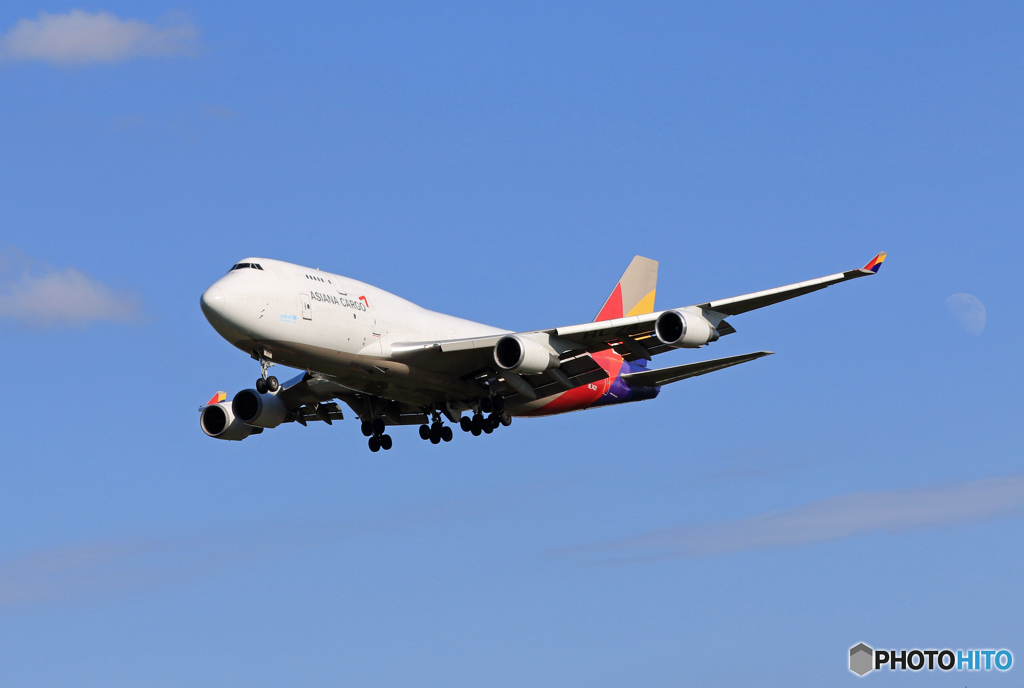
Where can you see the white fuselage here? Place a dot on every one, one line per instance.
(312, 320)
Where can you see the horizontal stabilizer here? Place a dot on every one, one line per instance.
(664, 376)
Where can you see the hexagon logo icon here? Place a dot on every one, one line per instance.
(862, 659)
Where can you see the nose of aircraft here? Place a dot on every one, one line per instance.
(212, 300)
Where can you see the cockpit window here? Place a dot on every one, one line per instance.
(240, 266)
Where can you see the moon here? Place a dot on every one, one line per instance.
(968, 311)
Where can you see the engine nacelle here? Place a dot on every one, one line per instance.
(518, 354)
(260, 410)
(218, 422)
(683, 329)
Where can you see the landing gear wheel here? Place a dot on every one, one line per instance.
(374, 444)
(447, 434)
(498, 403)
(435, 437)
(272, 384)
(488, 428)
(505, 418)
(261, 386)
(476, 431)
(378, 426)
(485, 405)
(366, 428)
(424, 432)
(385, 442)
(466, 424)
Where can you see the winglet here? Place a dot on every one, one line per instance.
(875, 263)
(217, 398)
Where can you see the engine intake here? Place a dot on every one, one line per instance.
(260, 410)
(218, 422)
(518, 354)
(684, 330)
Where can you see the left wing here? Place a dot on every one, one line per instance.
(666, 376)
(632, 337)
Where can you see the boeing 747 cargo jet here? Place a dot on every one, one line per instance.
(395, 363)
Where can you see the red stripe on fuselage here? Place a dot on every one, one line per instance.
(584, 396)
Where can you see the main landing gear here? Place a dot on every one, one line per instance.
(375, 431)
(266, 384)
(437, 431)
(480, 423)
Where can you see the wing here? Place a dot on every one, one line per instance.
(665, 376)
(632, 337)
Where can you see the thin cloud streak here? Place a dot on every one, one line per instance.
(38, 296)
(130, 566)
(834, 518)
(79, 37)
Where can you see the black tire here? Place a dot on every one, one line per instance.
(272, 384)
(367, 428)
(476, 431)
(485, 405)
(477, 423)
(261, 386)
(447, 434)
(466, 424)
(435, 438)
(505, 418)
(424, 432)
(499, 404)
(488, 428)
(378, 426)
(385, 442)
(374, 444)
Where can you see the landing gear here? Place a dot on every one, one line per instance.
(437, 431)
(266, 384)
(375, 431)
(480, 423)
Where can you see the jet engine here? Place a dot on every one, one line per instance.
(683, 329)
(518, 354)
(219, 422)
(260, 410)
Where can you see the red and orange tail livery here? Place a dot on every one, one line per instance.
(634, 293)
(217, 398)
(875, 263)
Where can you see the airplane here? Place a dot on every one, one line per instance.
(394, 363)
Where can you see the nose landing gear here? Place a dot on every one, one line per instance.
(266, 384)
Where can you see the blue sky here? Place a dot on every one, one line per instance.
(504, 165)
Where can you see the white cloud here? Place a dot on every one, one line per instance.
(968, 311)
(80, 37)
(830, 519)
(39, 296)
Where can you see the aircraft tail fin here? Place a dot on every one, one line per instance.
(217, 398)
(634, 294)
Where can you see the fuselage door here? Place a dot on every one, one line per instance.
(307, 307)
